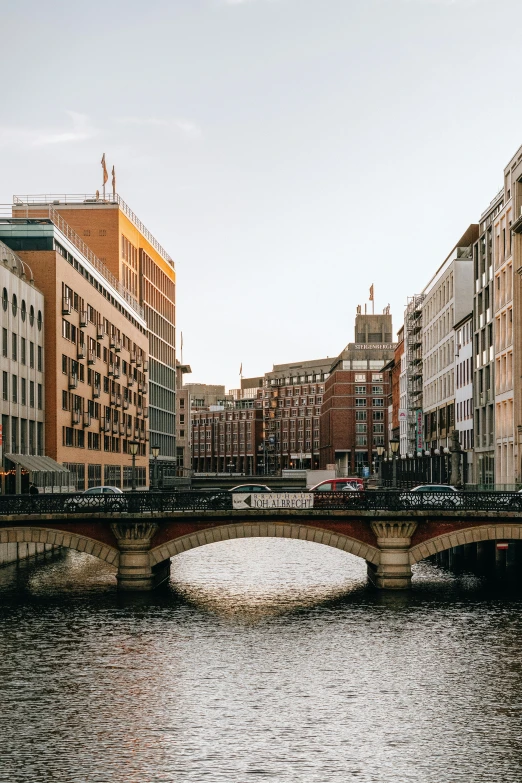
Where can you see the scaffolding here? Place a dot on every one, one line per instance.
(413, 323)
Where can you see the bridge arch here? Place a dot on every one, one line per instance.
(471, 535)
(43, 535)
(264, 530)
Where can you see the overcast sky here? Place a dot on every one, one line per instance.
(287, 153)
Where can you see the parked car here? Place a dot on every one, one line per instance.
(251, 488)
(339, 485)
(113, 499)
(441, 495)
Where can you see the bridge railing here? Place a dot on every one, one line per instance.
(138, 503)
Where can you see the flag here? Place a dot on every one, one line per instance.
(104, 168)
(113, 180)
(371, 293)
(241, 369)
(181, 340)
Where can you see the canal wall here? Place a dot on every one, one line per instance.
(493, 559)
(22, 550)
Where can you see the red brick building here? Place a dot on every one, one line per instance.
(227, 440)
(354, 413)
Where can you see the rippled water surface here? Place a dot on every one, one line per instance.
(264, 660)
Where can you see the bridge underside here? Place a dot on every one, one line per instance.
(140, 550)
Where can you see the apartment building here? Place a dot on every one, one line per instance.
(144, 272)
(483, 348)
(22, 365)
(183, 423)
(463, 384)
(447, 299)
(203, 395)
(412, 378)
(95, 345)
(291, 402)
(513, 320)
(354, 414)
(228, 440)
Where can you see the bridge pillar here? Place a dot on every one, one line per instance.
(134, 540)
(393, 571)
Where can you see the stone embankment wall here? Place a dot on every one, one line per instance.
(12, 553)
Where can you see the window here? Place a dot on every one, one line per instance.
(360, 402)
(377, 390)
(40, 397)
(31, 315)
(23, 344)
(378, 428)
(39, 321)
(15, 388)
(15, 304)
(24, 310)
(360, 389)
(378, 415)
(360, 415)
(360, 440)
(31, 394)
(4, 342)
(378, 403)
(5, 299)
(40, 362)
(31, 354)
(360, 427)
(5, 386)
(23, 391)
(14, 350)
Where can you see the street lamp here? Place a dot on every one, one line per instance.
(380, 453)
(155, 450)
(133, 448)
(394, 446)
(230, 467)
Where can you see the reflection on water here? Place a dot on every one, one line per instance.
(266, 660)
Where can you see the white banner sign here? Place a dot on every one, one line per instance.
(403, 414)
(257, 500)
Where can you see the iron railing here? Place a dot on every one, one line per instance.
(146, 502)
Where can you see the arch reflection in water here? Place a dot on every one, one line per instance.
(256, 577)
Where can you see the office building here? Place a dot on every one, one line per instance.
(144, 272)
(354, 414)
(95, 347)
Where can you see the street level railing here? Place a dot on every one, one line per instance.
(138, 503)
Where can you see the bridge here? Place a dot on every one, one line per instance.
(139, 532)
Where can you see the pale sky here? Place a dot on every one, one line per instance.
(287, 153)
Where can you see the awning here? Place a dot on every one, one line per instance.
(33, 463)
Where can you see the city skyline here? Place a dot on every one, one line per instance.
(287, 155)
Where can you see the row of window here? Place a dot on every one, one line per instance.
(22, 310)
(21, 355)
(19, 391)
(361, 402)
(76, 439)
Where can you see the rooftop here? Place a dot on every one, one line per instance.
(90, 200)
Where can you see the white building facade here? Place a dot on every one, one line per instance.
(463, 384)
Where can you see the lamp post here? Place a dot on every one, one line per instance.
(380, 453)
(133, 448)
(394, 445)
(155, 450)
(230, 467)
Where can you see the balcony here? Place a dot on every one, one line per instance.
(76, 416)
(139, 410)
(116, 370)
(122, 428)
(105, 425)
(86, 419)
(91, 358)
(83, 319)
(96, 391)
(113, 398)
(111, 369)
(146, 365)
(128, 430)
(133, 358)
(117, 346)
(73, 381)
(138, 360)
(142, 387)
(112, 341)
(100, 331)
(145, 413)
(66, 306)
(115, 427)
(82, 351)
(131, 381)
(125, 403)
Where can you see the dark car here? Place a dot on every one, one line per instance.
(250, 488)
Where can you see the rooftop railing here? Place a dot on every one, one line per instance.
(86, 198)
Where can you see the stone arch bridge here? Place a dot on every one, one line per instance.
(139, 533)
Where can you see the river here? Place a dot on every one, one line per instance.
(262, 660)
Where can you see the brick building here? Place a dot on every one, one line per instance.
(291, 402)
(227, 440)
(95, 349)
(354, 414)
(142, 271)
